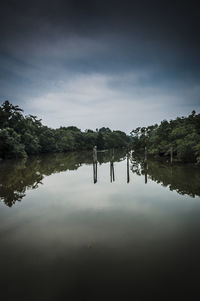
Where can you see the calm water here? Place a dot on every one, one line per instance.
(74, 230)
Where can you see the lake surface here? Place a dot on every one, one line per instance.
(74, 230)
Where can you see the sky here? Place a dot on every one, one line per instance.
(119, 64)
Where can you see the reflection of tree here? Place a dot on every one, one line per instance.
(183, 178)
(18, 176)
(104, 157)
(136, 167)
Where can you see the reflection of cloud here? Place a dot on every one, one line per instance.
(76, 209)
(70, 211)
(76, 191)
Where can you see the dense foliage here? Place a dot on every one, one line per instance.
(25, 135)
(181, 136)
(21, 136)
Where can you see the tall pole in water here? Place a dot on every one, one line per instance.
(145, 163)
(171, 155)
(145, 148)
(95, 153)
(112, 173)
(128, 176)
(95, 164)
(145, 154)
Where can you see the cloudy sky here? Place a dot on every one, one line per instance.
(95, 63)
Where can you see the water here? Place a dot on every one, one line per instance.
(73, 230)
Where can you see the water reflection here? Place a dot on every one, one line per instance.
(112, 172)
(145, 171)
(183, 178)
(95, 172)
(73, 240)
(18, 176)
(95, 165)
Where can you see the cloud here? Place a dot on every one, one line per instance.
(93, 101)
(100, 64)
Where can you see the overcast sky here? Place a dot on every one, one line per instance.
(120, 64)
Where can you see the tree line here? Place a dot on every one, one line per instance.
(180, 136)
(21, 136)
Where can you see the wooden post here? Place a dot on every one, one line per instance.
(145, 164)
(95, 164)
(145, 154)
(95, 154)
(112, 155)
(145, 171)
(112, 172)
(128, 175)
(145, 157)
(171, 155)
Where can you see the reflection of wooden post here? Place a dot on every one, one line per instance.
(128, 176)
(145, 173)
(95, 172)
(112, 172)
(171, 155)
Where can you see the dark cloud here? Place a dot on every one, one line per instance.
(155, 26)
(173, 19)
(50, 45)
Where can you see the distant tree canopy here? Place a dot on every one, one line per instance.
(21, 135)
(181, 135)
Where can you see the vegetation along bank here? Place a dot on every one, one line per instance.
(21, 136)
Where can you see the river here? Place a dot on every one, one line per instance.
(71, 229)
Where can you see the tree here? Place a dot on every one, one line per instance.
(9, 115)
(181, 134)
(10, 144)
(100, 141)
